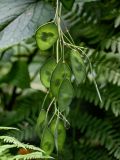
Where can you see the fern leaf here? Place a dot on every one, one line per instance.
(8, 128)
(99, 131)
(13, 140)
(34, 155)
(6, 147)
(28, 146)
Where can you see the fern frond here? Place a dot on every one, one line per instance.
(34, 155)
(117, 21)
(112, 43)
(110, 96)
(6, 147)
(99, 131)
(26, 132)
(31, 147)
(106, 66)
(85, 152)
(8, 128)
(8, 139)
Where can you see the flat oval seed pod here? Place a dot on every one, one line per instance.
(60, 131)
(41, 122)
(67, 3)
(46, 72)
(78, 66)
(47, 142)
(61, 72)
(66, 94)
(46, 35)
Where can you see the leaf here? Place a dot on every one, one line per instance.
(31, 147)
(61, 71)
(5, 147)
(117, 22)
(65, 96)
(46, 72)
(9, 10)
(8, 128)
(47, 35)
(34, 155)
(8, 139)
(25, 24)
(67, 3)
(78, 66)
(18, 75)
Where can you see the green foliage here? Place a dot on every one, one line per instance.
(18, 24)
(18, 73)
(91, 128)
(12, 142)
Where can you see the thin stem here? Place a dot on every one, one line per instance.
(47, 115)
(49, 106)
(68, 32)
(56, 12)
(64, 118)
(57, 51)
(44, 99)
(56, 132)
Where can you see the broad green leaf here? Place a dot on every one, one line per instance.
(46, 72)
(18, 75)
(47, 35)
(10, 9)
(61, 72)
(67, 3)
(25, 24)
(78, 66)
(66, 94)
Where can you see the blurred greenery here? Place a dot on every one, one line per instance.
(94, 131)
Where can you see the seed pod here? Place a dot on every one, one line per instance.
(46, 72)
(58, 130)
(65, 96)
(46, 35)
(78, 66)
(61, 72)
(47, 142)
(41, 123)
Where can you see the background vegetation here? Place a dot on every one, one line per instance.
(94, 131)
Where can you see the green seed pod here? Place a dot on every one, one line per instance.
(46, 35)
(41, 123)
(78, 66)
(46, 72)
(65, 96)
(47, 142)
(61, 72)
(58, 130)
